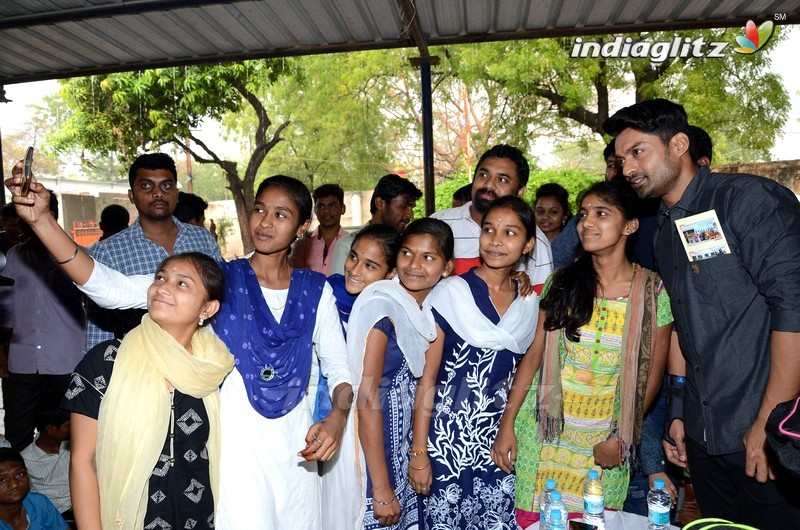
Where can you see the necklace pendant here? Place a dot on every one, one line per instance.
(267, 373)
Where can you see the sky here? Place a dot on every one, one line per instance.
(784, 60)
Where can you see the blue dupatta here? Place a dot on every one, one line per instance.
(274, 358)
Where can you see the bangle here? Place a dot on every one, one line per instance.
(417, 452)
(74, 255)
(385, 503)
(419, 468)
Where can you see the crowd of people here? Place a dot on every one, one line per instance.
(428, 373)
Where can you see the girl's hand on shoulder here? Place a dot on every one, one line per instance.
(607, 454)
(385, 506)
(324, 438)
(524, 285)
(504, 449)
(419, 474)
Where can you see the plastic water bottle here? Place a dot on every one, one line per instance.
(593, 505)
(658, 505)
(556, 513)
(549, 487)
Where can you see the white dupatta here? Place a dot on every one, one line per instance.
(414, 326)
(452, 298)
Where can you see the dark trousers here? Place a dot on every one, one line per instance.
(25, 395)
(724, 490)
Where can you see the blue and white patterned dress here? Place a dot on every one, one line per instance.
(469, 491)
(396, 396)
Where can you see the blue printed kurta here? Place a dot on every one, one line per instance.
(469, 491)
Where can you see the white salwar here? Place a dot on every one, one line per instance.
(263, 481)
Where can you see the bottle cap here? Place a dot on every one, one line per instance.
(593, 474)
(556, 495)
(659, 483)
(550, 484)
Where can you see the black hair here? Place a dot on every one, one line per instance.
(210, 274)
(296, 190)
(152, 161)
(9, 212)
(700, 143)
(54, 417)
(463, 194)
(53, 204)
(513, 154)
(570, 301)
(329, 190)
(114, 219)
(661, 117)
(190, 206)
(610, 149)
(391, 186)
(439, 230)
(386, 236)
(8, 454)
(551, 189)
(520, 208)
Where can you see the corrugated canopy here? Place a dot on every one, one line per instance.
(45, 39)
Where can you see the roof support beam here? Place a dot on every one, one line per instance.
(410, 15)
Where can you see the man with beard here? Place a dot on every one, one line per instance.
(501, 171)
(152, 237)
(735, 308)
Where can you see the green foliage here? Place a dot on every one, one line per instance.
(208, 181)
(340, 132)
(224, 230)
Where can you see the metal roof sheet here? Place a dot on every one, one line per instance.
(43, 39)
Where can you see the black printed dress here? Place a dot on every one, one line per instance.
(179, 496)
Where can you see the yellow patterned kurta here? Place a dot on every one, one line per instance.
(589, 377)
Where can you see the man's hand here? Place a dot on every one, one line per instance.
(755, 446)
(676, 453)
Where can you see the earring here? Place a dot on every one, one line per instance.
(202, 320)
(444, 275)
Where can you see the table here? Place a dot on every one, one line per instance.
(619, 521)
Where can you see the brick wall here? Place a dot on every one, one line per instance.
(786, 172)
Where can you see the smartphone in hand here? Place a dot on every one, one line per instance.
(26, 185)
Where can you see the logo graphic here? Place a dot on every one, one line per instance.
(754, 38)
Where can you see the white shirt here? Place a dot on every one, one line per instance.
(466, 232)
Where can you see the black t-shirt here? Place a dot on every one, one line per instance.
(179, 495)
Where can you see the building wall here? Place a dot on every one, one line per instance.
(787, 172)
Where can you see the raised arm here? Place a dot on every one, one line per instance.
(105, 286)
(34, 209)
